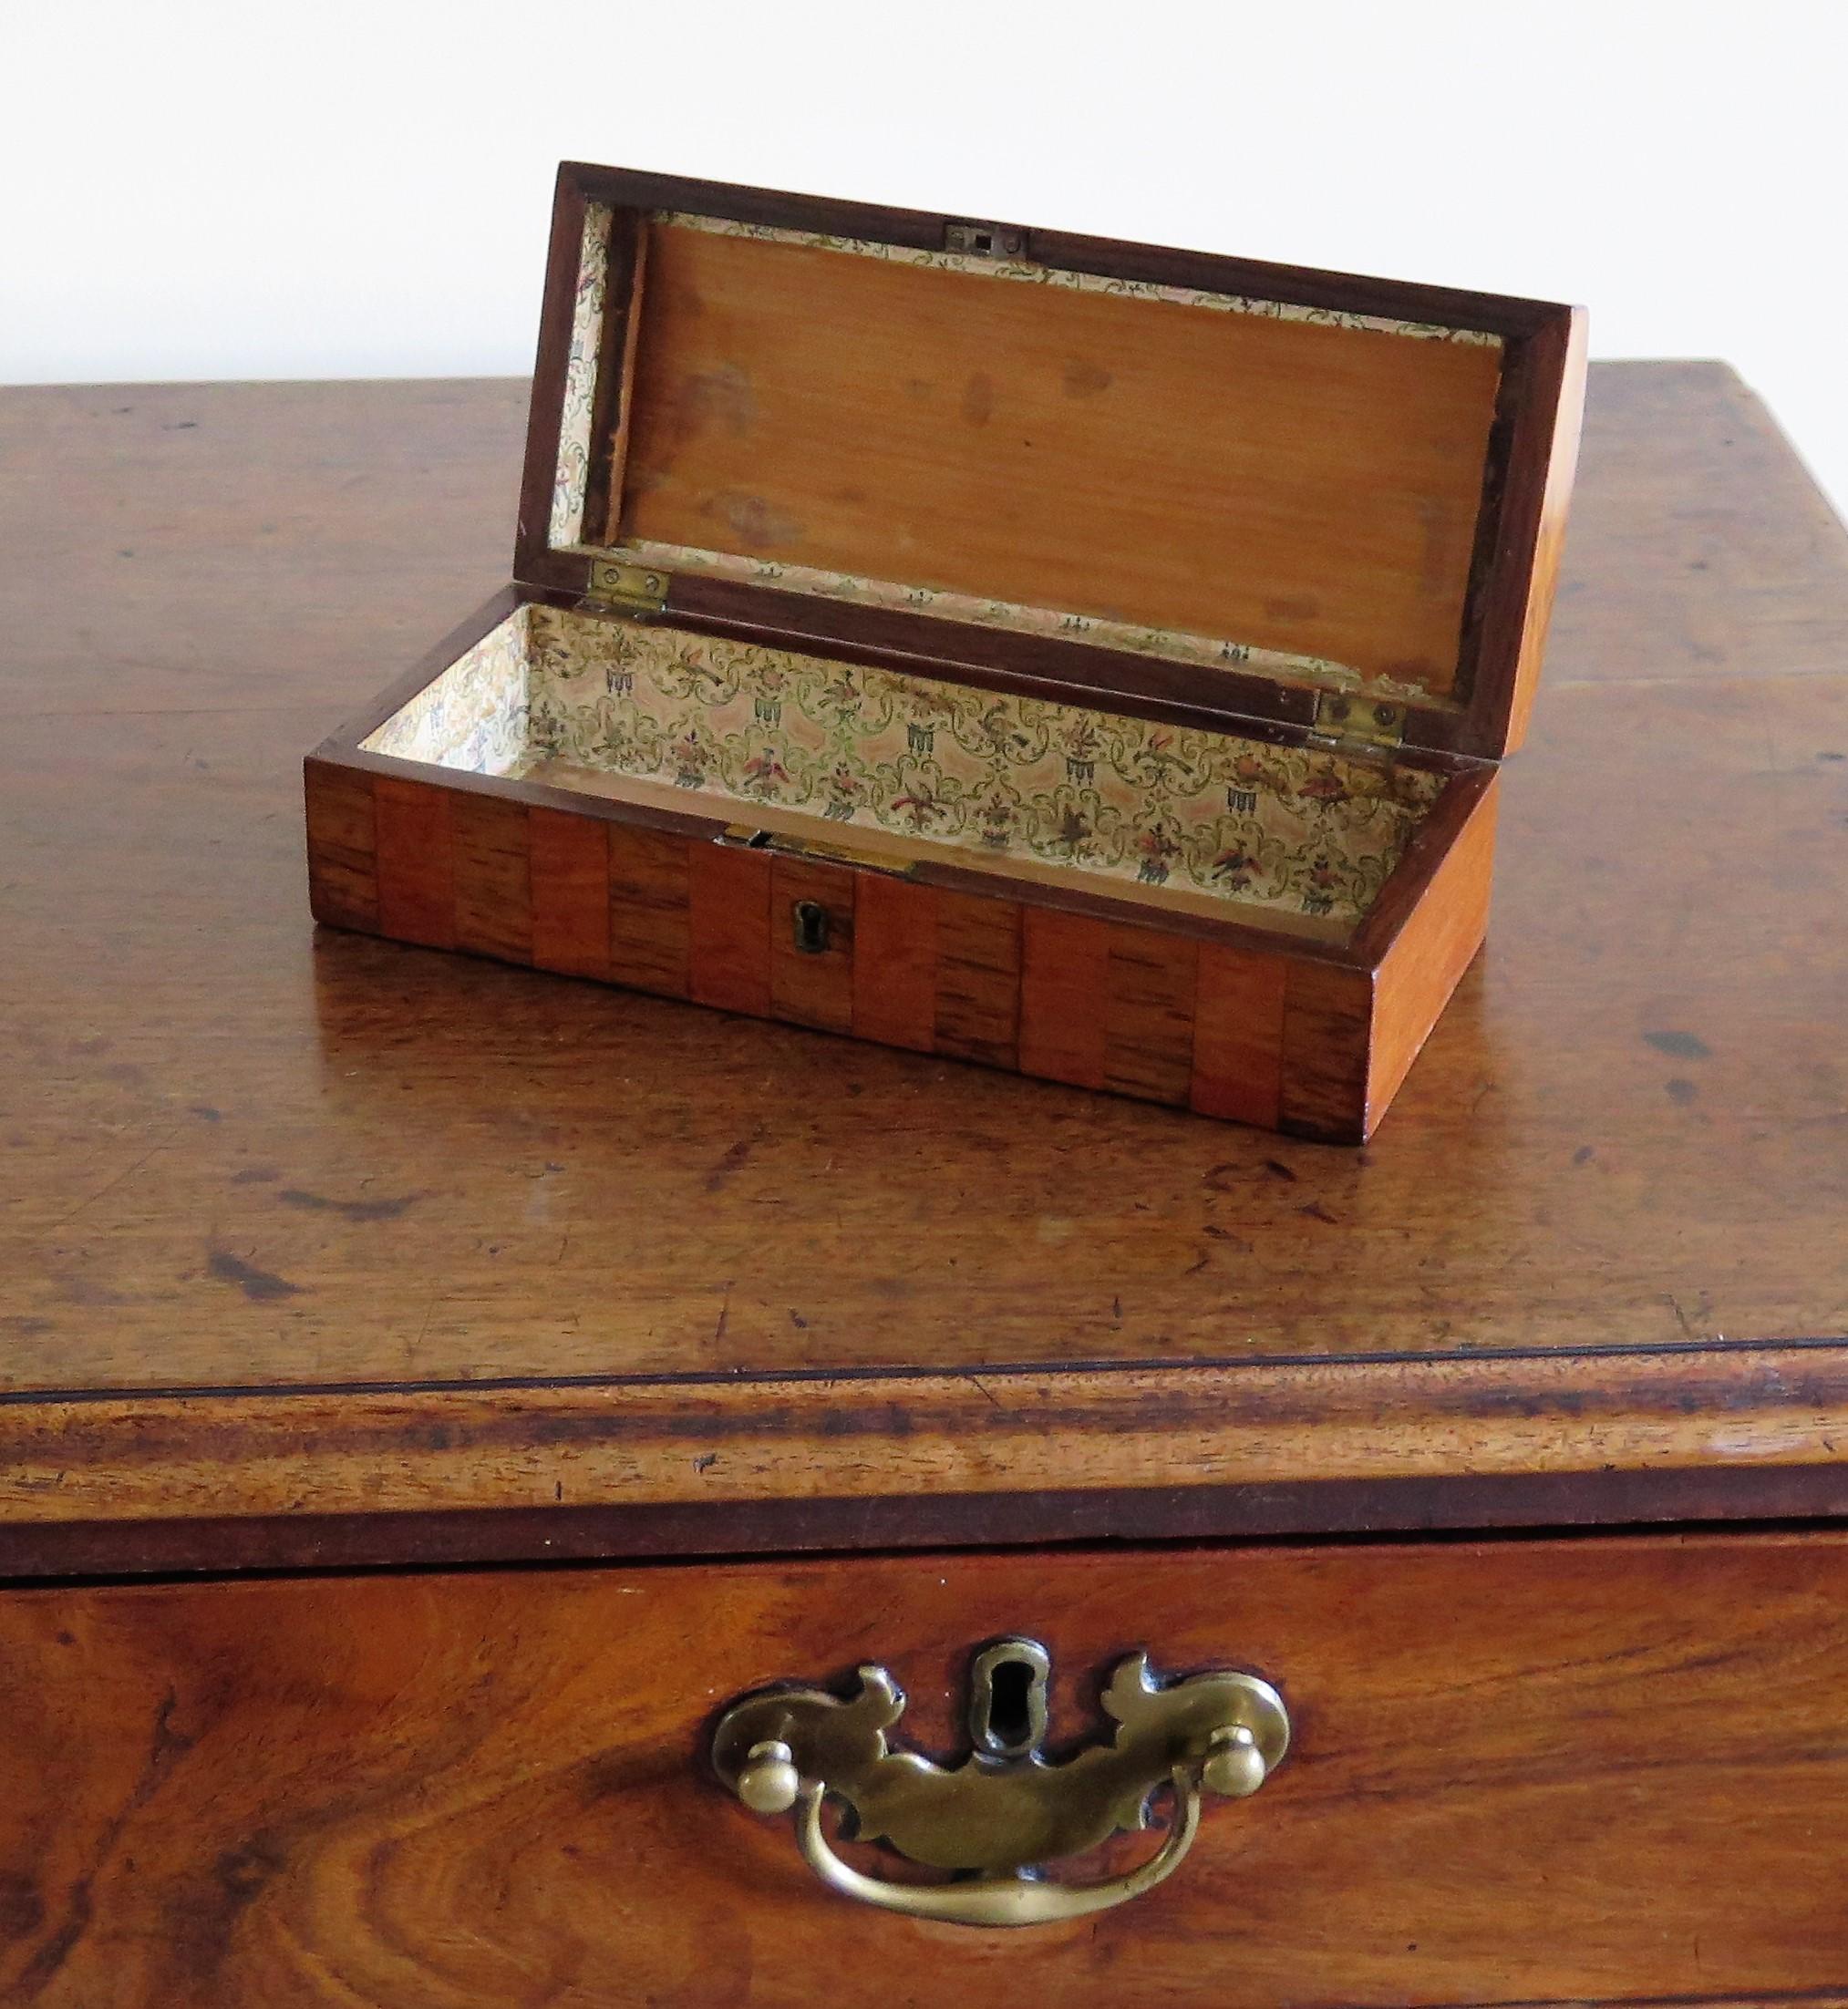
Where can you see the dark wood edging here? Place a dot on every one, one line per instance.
(268, 1479)
(693, 1529)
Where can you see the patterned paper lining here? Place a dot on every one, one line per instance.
(572, 477)
(1171, 644)
(474, 717)
(739, 725)
(1079, 282)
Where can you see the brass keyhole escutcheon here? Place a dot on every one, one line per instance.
(813, 927)
(1007, 1698)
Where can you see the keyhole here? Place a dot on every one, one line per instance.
(811, 927)
(1010, 1719)
(1007, 1698)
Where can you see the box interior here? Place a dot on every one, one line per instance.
(1242, 483)
(904, 767)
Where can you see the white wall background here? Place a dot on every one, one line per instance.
(191, 189)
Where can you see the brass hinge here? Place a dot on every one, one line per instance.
(626, 589)
(1357, 725)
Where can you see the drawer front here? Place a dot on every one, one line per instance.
(1534, 1772)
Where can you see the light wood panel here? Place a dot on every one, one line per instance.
(571, 894)
(1068, 996)
(416, 861)
(1238, 1035)
(1543, 1772)
(808, 987)
(1327, 1044)
(493, 877)
(1065, 970)
(1149, 1014)
(729, 895)
(896, 962)
(1272, 481)
(1429, 955)
(978, 978)
(650, 924)
(343, 864)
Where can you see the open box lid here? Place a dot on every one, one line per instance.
(1091, 469)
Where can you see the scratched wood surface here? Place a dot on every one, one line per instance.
(234, 1154)
(1546, 1772)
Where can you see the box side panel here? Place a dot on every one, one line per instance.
(650, 936)
(978, 979)
(1149, 1014)
(1430, 952)
(1279, 1039)
(343, 851)
(1327, 1033)
(728, 924)
(814, 970)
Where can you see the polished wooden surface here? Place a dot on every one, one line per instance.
(746, 1462)
(237, 1154)
(1544, 1773)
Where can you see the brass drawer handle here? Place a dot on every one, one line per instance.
(1002, 1813)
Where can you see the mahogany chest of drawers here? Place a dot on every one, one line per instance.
(496, 1472)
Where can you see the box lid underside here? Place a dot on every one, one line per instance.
(1303, 496)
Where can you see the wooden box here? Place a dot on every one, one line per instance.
(1082, 657)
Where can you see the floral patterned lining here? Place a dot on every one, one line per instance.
(474, 716)
(736, 725)
(1078, 281)
(573, 477)
(1173, 644)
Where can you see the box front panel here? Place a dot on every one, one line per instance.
(1133, 1008)
(650, 910)
(571, 894)
(814, 964)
